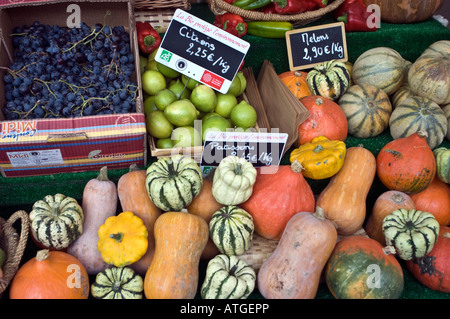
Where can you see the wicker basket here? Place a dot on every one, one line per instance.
(158, 13)
(13, 244)
(259, 251)
(220, 7)
(161, 4)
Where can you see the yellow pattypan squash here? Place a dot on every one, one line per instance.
(122, 239)
(321, 158)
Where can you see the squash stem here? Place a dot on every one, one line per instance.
(42, 255)
(55, 209)
(103, 174)
(238, 169)
(117, 237)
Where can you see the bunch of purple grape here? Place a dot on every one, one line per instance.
(69, 72)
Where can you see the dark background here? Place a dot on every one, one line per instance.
(445, 11)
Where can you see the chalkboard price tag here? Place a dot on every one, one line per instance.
(262, 149)
(201, 51)
(308, 47)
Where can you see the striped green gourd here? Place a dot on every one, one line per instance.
(56, 221)
(367, 109)
(118, 283)
(173, 182)
(381, 66)
(329, 79)
(411, 232)
(231, 229)
(415, 114)
(442, 155)
(228, 277)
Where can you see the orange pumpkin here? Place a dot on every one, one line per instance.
(435, 199)
(385, 204)
(296, 83)
(407, 164)
(326, 118)
(277, 196)
(51, 275)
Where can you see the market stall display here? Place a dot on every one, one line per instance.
(165, 222)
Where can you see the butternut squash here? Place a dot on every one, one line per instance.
(385, 204)
(294, 269)
(99, 202)
(343, 200)
(133, 197)
(180, 239)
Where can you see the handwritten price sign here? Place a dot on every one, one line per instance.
(310, 46)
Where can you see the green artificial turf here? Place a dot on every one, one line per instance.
(408, 40)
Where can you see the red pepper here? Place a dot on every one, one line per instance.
(294, 6)
(354, 15)
(232, 23)
(148, 38)
(321, 3)
(230, 1)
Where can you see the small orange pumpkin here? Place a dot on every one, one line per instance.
(296, 83)
(51, 275)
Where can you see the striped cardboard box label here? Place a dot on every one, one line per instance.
(49, 146)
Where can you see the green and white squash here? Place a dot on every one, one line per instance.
(231, 229)
(382, 67)
(429, 76)
(173, 182)
(233, 180)
(446, 109)
(329, 79)
(118, 283)
(442, 155)
(415, 114)
(367, 109)
(228, 277)
(56, 221)
(411, 232)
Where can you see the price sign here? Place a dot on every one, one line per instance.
(259, 148)
(310, 46)
(202, 51)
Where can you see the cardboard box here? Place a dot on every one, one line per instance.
(51, 146)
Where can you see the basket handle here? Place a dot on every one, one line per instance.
(13, 265)
(221, 6)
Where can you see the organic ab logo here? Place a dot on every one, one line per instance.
(374, 279)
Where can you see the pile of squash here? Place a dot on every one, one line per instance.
(172, 217)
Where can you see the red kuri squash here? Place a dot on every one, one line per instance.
(326, 118)
(407, 164)
(435, 199)
(433, 270)
(385, 204)
(278, 193)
